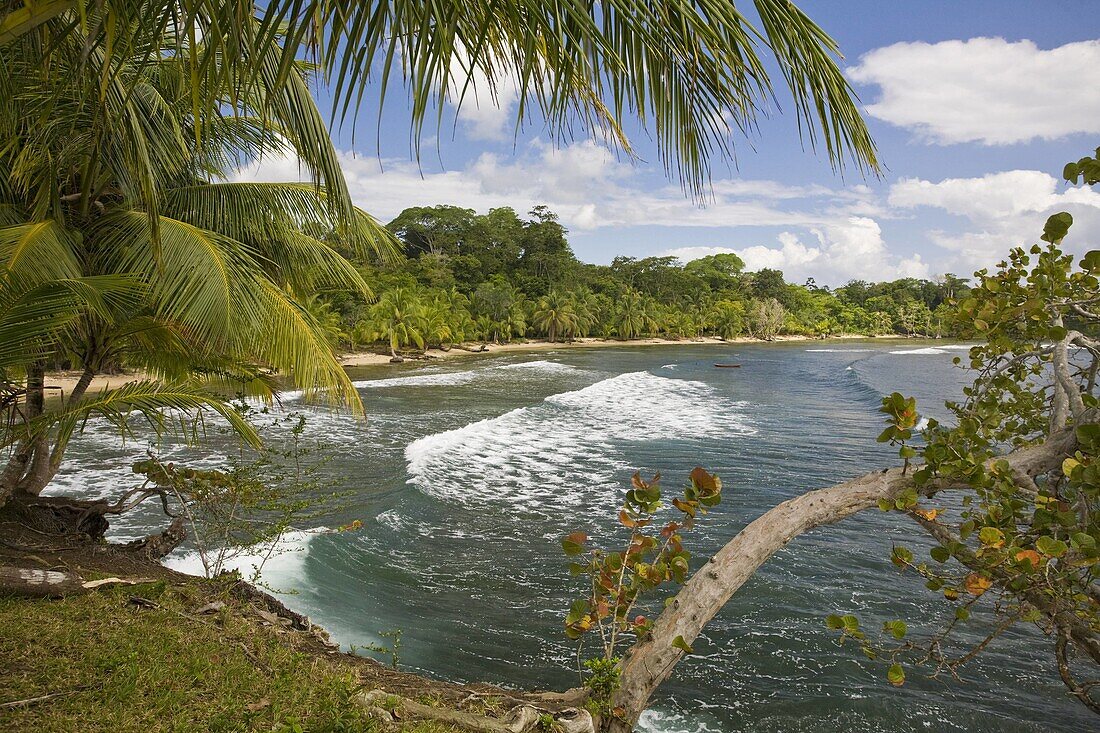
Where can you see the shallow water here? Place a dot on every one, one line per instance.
(466, 475)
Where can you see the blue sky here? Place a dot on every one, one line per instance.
(975, 107)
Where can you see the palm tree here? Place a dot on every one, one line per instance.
(396, 318)
(115, 175)
(588, 308)
(727, 318)
(555, 315)
(692, 74)
(435, 324)
(329, 320)
(635, 316)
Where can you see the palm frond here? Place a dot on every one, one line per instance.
(692, 72)
(295, 343)
(32, 320)
(197, 277)
(178, 407)
(38, 252)
(233, 209)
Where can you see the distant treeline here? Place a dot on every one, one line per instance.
(498, 277)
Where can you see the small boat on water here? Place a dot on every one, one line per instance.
(728, 366)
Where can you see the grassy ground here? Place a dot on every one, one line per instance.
(117, 665)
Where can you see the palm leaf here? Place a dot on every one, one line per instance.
(38, 252)
(178, 407)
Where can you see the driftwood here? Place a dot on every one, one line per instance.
(650, 662)
(36, 583)
(393, 708)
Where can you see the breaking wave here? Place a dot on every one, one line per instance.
(531, 456)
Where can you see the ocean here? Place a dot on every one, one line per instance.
(467, 473)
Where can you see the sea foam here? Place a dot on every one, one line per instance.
(282, 572)
(556, 450)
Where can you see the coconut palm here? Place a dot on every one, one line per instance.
(692, 72)
(634, 316)
(396, 319)
(113, 174)
(555, 315)
(588, 307)
(727, 318)
(435, 324)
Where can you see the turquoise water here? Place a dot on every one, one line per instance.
(467, 473)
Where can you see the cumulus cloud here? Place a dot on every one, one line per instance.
(985, 90)
(486, 105)
(1001, 210)
(842, 250)
(585, 184)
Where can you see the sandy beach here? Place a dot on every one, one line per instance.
(62, 383)
(371, 358)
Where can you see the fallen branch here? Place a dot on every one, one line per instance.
(36, 583)
(393, 708)
(41, 698)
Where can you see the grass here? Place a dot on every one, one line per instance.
(122, 667)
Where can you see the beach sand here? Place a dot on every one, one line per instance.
(370, 358)
(62, 383)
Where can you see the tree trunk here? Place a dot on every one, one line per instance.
(31, 456)
(650, 662)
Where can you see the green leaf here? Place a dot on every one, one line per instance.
(896, 675)
(991, 536)
(1056, 228)
(834, 622)
(897, 628)
(679, 643)
(1091, 261)
(1050, 546)
(940, 553)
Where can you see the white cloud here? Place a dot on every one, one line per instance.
(1002, 210)
(844, 250)
(985, 90)
(487, 104)
(993, 195)
(585, 184)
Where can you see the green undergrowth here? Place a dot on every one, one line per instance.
(118, 665)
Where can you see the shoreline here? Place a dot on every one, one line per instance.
(372, 358)
(62, 382)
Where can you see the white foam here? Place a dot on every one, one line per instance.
(565, 447)
(658, 721)
(539, 365)
(924, 351)
(840, 351)
(444, 379)
(934, 349)
(283, 571)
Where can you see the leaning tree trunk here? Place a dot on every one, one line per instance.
(34, 463)
(650, 662)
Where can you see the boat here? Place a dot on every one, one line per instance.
(728, 366)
